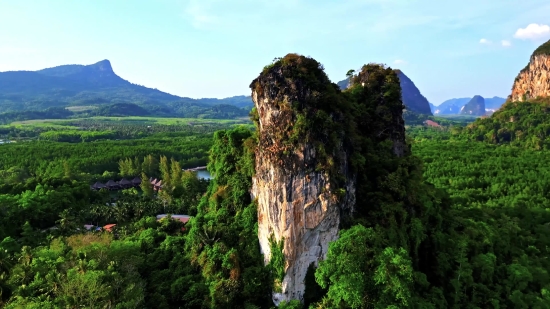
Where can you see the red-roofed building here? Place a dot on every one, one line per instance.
(431, 123)
(182, 218)
(109, 227)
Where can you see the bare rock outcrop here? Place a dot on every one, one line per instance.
(534, 80)
(302, 182)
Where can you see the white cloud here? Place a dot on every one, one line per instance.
(484, 41)
(533, 32)
(198, 12)
(399, 61)
(506, 43)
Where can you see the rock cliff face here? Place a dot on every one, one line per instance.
(300, 202)
(534, 80)
(475, 107)
(308, 133)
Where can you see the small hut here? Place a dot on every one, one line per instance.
(136, 182)
(158, 186)
(111, 185)
(182, 218)
(109, 227)
(125, 184)
(97, 186)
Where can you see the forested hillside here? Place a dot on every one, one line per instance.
(91, 86)
(524, 124)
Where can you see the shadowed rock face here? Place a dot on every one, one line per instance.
(297, 200)
(412, 98)
(534, 80)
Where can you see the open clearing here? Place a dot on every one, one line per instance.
(65, 123)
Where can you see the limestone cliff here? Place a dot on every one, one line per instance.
(299, 197)
(534, 80)
(305, 184)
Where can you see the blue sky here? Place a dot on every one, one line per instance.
(214, 48)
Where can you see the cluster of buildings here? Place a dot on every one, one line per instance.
(122, 184)
(431, 123)
(109, 227)
(117, 185)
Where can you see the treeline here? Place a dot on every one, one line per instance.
(76, 136)
(95, 160)
(415, 119)
(49, 260)
(49, 113)
(181, 109)
(84, 130)
(479, 175)
(524, 124)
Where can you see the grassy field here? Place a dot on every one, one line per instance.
(80, 108)
(65, 123)
(458, 117)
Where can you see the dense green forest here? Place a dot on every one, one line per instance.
(101, 128)
(416, 119)
(492, 243)
(524, 124)
(174, 109)
(458, 222)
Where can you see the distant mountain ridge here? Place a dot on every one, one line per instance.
(412, 97)
(454, 106)
(92, 85)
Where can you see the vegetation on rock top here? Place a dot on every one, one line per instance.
(544, 49)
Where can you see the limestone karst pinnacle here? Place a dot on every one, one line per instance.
(305, 181)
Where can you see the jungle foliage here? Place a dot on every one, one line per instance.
(523, 124)
(459, 224)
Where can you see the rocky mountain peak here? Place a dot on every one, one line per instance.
(412, 98)
(103, 66)
(475, 107)
(534, 80)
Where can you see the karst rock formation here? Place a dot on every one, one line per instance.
(304, 183)
(534, 80)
